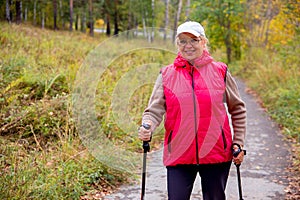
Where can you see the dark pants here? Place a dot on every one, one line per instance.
(213, 180)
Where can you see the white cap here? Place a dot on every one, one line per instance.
(191, 27)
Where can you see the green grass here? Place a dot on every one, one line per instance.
(41, 153)
(62, 172)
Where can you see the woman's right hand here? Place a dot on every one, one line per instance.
(143, 133)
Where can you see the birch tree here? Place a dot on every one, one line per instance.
(166, 18)
(187, 9)
(7, 9)
(71, 16)
(34, 12)
(153, 20)
(177, 17)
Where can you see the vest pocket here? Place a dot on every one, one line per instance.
(224, 139)
(169, 141)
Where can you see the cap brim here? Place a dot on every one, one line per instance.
(195, 33)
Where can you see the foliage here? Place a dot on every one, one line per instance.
(223, 22)
(66, 171)
(41, 155)
(275, 77)
(282, 27)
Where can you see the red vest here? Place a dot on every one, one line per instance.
(196, 121)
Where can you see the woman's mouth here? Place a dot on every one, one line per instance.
(189, 52)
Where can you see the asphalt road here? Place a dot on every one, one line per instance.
(264, 175)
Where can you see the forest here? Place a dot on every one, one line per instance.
(45, 43)
(231, 24)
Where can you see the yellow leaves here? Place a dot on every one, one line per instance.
(281, 31)
(242, 30)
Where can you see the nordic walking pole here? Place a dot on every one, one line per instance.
(235, 154)
(146, 147)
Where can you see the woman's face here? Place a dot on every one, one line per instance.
(190, 46)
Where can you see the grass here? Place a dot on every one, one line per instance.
(41, 153)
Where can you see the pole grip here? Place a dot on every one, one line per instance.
(236, 153)
(146, 145)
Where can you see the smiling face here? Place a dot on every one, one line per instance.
(190, 46)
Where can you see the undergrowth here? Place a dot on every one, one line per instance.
(41, 155)
(275, 77)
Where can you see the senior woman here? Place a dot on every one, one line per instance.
(195, 94)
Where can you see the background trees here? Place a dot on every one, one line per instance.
(230, 24)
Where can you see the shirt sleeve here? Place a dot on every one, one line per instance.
(156, 106)
(236, 109)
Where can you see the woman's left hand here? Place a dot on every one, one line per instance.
(240, 157)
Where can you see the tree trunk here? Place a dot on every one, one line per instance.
(187, 9)
(166, 18)
(153, 20)
(267, 33)
(116, 18)
(83, 22)
(228, 43)
(34, 12)
(21, 9)
(91, 21)
(129, 25)
(144, 23)
(76, 22)
(108, 29)
(177, 17)
(228, 49)
(43, 19)
(18, 12)
(55, 14)
(269, 16)
(61, 14)
(25, 13)
(8, 15)
(71, 15)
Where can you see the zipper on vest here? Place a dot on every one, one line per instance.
(195, 116)
(169, 141)
(224, 138)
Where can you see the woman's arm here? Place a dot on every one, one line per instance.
(155, 110)
(237, 110)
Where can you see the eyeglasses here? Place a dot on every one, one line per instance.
(193, 42)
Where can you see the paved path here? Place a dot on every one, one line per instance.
(263, 171)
